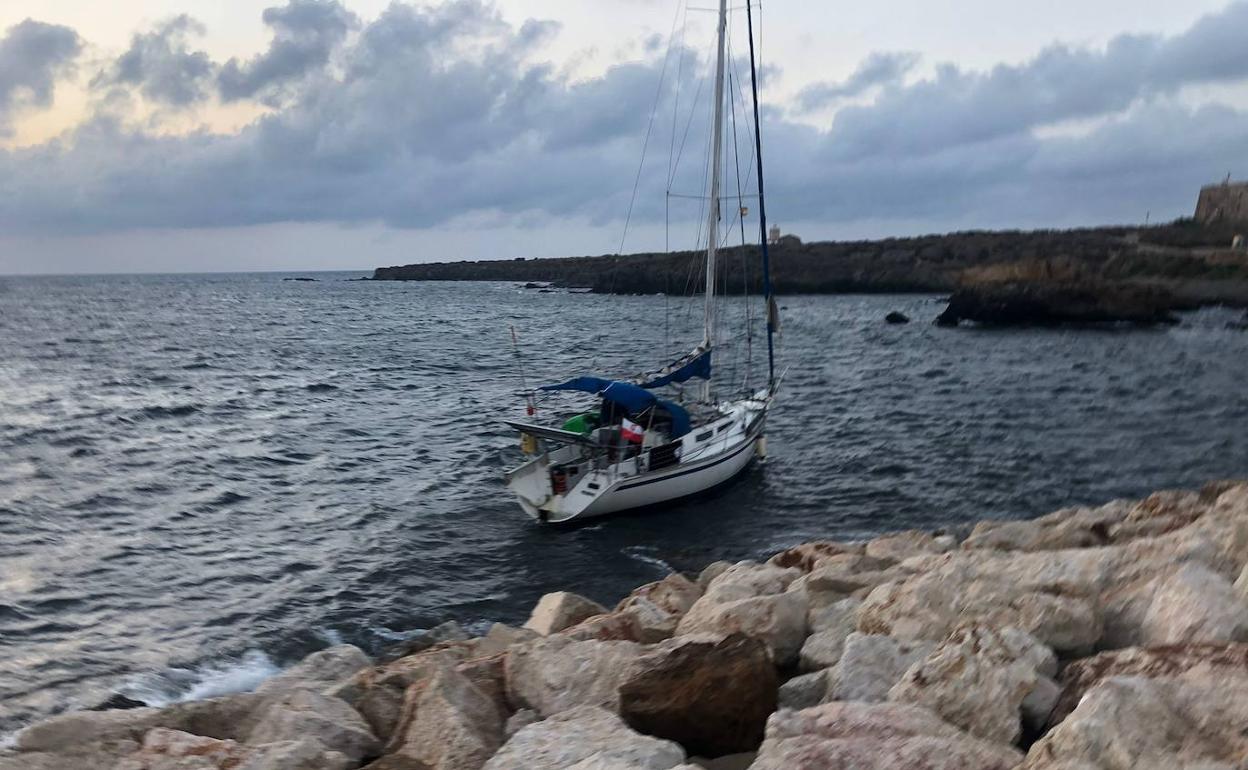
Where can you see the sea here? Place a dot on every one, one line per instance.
(204, 478)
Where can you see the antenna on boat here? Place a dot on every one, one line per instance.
(772, 314)
(530, 405)
(717, 140)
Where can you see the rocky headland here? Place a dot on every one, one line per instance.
(1109, 637)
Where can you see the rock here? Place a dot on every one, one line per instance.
(740, 761)
(831, 626)
(977, 680)
(1080, 676)
(318, 671)
(500, 637)
(1054, 302)
(396, 762)
(304, 713)
(560, 610)
(902, 545)
(380, 694)
(520, 720)
(556, 674)
(712, 571)
(747, 580)
(117, 701)
(613, 626)
(807, 556)
(162, 742)
(806, 690)
(710, 695)
(302, 754)
(489, 675)
(779, 620)
(896, 318)
(583, 733)
(658, 607)
(450, 631)
(1195, 605)
(870, 665)
(1128, 722)
(455, 726)
(1037, 707)
(874, 736)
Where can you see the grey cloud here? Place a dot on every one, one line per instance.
(305, 34)
(162, 66)
(878, 69)
(33, 56)
(437, 112)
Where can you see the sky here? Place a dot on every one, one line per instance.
(170, 135)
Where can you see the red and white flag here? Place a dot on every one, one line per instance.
(631, 431)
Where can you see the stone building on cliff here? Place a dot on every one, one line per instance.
(1225, 203)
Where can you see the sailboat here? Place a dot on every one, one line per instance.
(638, 449)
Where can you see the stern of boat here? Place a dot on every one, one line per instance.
(531, 485)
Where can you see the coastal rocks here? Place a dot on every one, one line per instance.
(560, 610)
(1058, 303)
(711, 695)
(1080, 676)
(896, 318)
(164, 749)
(977, 679)
(455, 725)
(1129, 722)
(830, 625)
(658, 607)
(779, 620)
(584, 734)
(747, 579)
(318, 671)
(556, 674)
(911, 542)
(806, 690)
(1195, 605)
(305, 713)
(870, 736)
(871, 664)
(807, 555)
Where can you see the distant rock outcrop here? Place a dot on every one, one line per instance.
(1035, 304)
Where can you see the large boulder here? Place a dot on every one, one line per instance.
(869, 736)
(1195, 604)
(807, 556)
(1136, 723)
(747, 579)
(1080, 676)
(318, 671)
(899, 546)
(304, 713)
(830, 627)
(455, 725)
(977, 679)
(779, 620)
(381, 694)
(581, 734)
(656, 608)
(560, 610)
(711, 695)
(871, 664)
(556, 674)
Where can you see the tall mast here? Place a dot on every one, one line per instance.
(762, 208)
(717, 141)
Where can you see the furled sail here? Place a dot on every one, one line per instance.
(696, 364)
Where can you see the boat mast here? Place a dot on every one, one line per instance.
(717, 140)
(762, 207)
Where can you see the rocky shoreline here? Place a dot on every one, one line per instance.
(1106, 637)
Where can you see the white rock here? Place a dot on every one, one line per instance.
(304, 713)
(455, 725)
(871, 664)
(1195, 605)
(806, 690)
(779, 620)
(822, 649)
(320, 670)
(874, 736)
(747, 579)
(556, 674)
(580, 734)
(560, 610)
(902, 545)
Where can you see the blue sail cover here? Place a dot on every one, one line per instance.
(696, 364)
(629, 396)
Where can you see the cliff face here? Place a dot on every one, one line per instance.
(934, 263)
(1223, 203)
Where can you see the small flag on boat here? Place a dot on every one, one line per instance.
(631, 431)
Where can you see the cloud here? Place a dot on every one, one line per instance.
(445, 113)
(305, 34)
(162, 66)
(33, 56)
(879, 69)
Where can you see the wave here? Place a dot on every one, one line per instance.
(211, 680)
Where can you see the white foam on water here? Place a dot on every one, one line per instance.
(638, 553)
(178, 685)
(331, 637)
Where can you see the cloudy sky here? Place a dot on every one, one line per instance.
(160, 135)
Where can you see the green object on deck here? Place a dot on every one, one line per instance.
(583, 424)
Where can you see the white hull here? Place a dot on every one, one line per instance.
(713, 454)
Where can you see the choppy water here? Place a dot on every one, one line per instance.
(203, 478)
